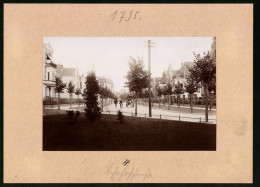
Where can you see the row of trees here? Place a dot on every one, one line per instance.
(60, 87)
(168, 91)
(202, 73)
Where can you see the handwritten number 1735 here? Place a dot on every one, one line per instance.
(126, 15)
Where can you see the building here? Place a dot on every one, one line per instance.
(105, 83)
(71, 74)
(49, 72)
(180, 77)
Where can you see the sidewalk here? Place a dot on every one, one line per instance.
(175, 105)
(180, 114)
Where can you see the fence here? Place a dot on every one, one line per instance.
(154, 116)
(165, 117)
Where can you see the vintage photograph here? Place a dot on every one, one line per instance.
(129, 93)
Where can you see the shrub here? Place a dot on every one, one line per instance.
(72, 116)
(120, 116)
(77, 114)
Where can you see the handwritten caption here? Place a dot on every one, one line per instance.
(125, 16)
(127, 173)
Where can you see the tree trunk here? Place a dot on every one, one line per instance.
(191, 103)
(70, 100)
(159, 102)
(179, 100)
(135, 104)
(210, 101)
(59, 101)
(206, 104)
(168, 102)
(78, 99)
(102, 104)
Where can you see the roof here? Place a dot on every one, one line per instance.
(184, 69)
(48, 46)
(104, 80)
(66, 71)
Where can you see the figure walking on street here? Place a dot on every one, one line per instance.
(121, 103)
(115, 101)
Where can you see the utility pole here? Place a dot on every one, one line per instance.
(149, 71)
(149, 65)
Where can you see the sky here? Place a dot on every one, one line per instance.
(110, 55)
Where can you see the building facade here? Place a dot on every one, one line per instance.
(71, 75)
(49, 72)
(180, 77)
(105, 83)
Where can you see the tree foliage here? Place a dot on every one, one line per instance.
(204, 69)
(106, 93)
(168, 89)
(92, 109)
(159, 91)
(71, 87)
(190, 86)
(212, 85)
(137, 77)
(78, 91)
(59, 85)
(178, 89)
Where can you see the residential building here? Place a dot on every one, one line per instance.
(180, 77)
(49, 72)
(105, 83)
(71, 74)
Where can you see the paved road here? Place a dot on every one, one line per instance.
(172, 114)
(143, 111)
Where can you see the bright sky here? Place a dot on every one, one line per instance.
(110, 55)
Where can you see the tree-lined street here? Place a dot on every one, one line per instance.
(148, 113)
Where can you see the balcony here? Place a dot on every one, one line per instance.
(49, 63)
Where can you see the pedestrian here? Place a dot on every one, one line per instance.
(121, 103)
(115, 101)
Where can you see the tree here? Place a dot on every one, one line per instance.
(124, 96)
(164, 93)
(178, 90)
(159, 93)
(59, 87)
(169, 92)
(92, 89)
(70, 90)
(78, 92)
(137, 78)
(211, 87)
(191, 87)
(204, 71)
(104, 93)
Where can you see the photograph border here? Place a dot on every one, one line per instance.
(256, 92)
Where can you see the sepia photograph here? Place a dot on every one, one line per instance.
(129, 93)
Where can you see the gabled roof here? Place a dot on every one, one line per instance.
(47, 46)
(69, 72)
(66, 71)
(184, 69)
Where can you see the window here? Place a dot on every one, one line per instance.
(48, 75)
